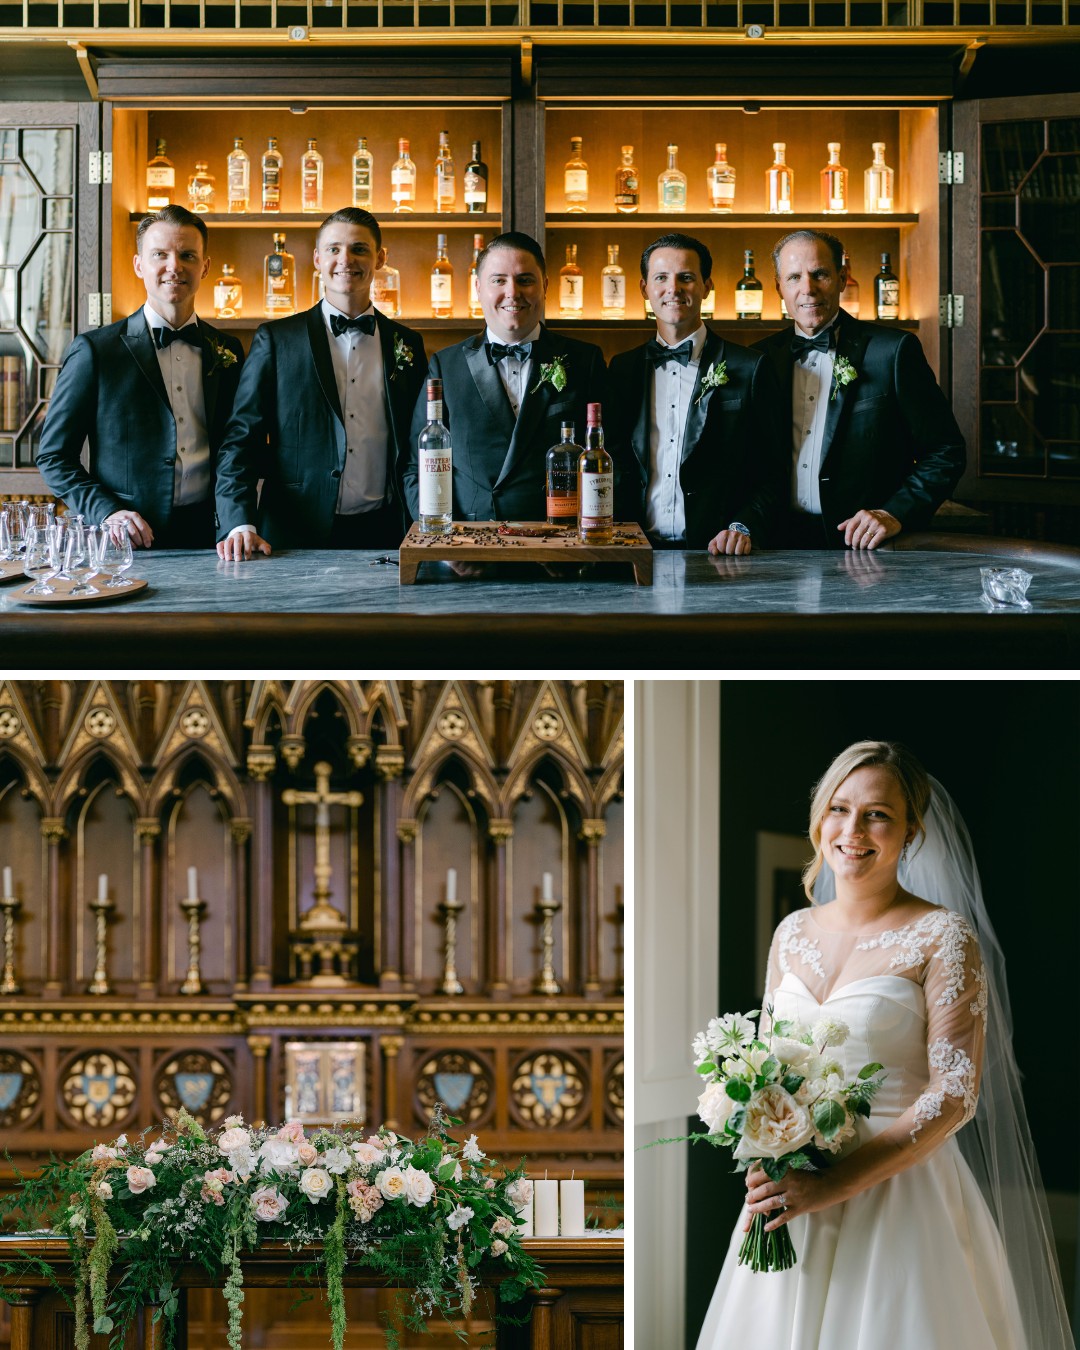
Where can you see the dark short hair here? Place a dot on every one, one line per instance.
(683, 241)
(172, 215)
(514, 239)
(352, 215)
(833, 244)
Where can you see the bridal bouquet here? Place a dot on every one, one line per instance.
(778, 1105)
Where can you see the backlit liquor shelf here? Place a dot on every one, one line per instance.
(655, 220)
(415, 220)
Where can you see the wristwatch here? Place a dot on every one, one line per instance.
(742, 529)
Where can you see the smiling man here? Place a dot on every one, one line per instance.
(322, 413)
(151, 395)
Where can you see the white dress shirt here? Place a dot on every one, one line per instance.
(811, 388)
(181, 369)
(672, 390)
(358, 370)
(514, 373)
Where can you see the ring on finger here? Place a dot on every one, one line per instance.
(781, 1201)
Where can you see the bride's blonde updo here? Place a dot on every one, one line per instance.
(901, 763)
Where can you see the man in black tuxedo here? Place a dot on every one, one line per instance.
(875, 446)
(693, 422)
(322, 413)
(152, 395)
(502, 398)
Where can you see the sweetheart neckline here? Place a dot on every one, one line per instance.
(864, 979)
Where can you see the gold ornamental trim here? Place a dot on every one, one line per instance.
(121, 1022)
(518, 1022)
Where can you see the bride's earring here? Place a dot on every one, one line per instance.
(903, 852)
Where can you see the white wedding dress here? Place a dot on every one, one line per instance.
(914, 1262)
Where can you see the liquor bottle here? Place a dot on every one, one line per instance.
(779, 183)
(403, 180)
(613, 287)
(708, 305)
(878, 184)
(476, 182)
(562, 477)
(886, 291)
(627, 185)
(445, 186)
(239, 177)
(363, 175)
(160, 179)
(442, 282)
(386, 289)
(318, 287)
(279, 281)
(849, 296)
(596, 496)
(834, 185)
(436, 467)
(271, 177)
(720, 180)
(228, 294)
(571, 287)
(576, 178)
(311, 178)
(671, 185)
(201, 189)
(749, 292)
(476, 310)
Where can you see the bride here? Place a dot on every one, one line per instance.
(929, 1230)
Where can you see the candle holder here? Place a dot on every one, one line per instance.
(194, 909)
(546, 983)
(618, 920)
(9, 984)
(450, 982)
(101, 907)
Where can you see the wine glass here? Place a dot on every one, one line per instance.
(80, 557)
(7, 549)
(40, 559)
(114, 556)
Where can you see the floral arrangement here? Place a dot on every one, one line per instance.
(843, 372)
(403, 355)
(224, 357)
(714, 378)
(552, 372)
(424, 1212)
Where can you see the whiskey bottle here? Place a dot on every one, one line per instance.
(201, 189)
(720, 181)
(476, 310)
(386, 289)
(442, 282)
(279, 281)
(576, 178)
(160, 179)
(318, 287)
(834, 184)
(849, 296)
(749, 292)
(363, 166)
(779, 183)
(228, 294)
(886, 291)
(436, 467)
(878, 184)
(708, 305)
(445, 186)
(239, 177)
(627, 187)
(476, 182)
(671, 185)
(596, 494)
(571, 287)
(403, 180)
(311, 178)
(271, 177)
(562, 478)
(613, 287)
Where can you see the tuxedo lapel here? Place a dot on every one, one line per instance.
(779, 353)
(490, 388)
(642, 375)
(139, 341)
(850, 344)
(320, 354)
(393, 380)
(534, 404)
(210, 375)
(699, 406)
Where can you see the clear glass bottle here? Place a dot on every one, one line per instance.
(403, 180)
(878, 184)
(720, 181)
(561, 474)
(311, 178)
(442, 282)
(318, 287)
(363, 175)
(571, 287)
(386, 289)
(436, 467)
(279, 281)
(160, 179)
(201, 189)
(596, 495)
(849, 296)
(671, 185)
(779, 183)
(886, 291)
(476, 310)
(476, 182)
(576, 179)
(445, 182)
(749, 292)
(834, 184)
(613, 287)
(228, 294)
(627, 184)
(708, 305)
(239, 177)
(271, 177)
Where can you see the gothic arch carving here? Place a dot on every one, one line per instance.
(74, 773)
(430, 773)
(30, 773)
(574, 781)
(222, 776)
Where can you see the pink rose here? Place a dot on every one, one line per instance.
(306, 1154)
(369, 1154)
(231, 1140)
(102, 1154)
(498, 1247)
(293, 1132)
(140, 1179)
(268, 1203)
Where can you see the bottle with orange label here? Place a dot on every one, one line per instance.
(562, 478)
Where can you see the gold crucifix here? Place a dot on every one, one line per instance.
(322, 917)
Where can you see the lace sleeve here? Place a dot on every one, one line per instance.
(772, 979)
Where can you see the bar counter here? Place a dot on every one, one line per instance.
(917, 604)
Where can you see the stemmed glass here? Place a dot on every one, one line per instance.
(81, 557)
(7, 549)
(41, 560)
(114, 557)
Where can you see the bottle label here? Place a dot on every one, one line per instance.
(674, 194)
(570, 292)
(474, 296)
(597, 498)
(749, 302)
(613, 292)
(160, 176)
(434, 410)
(884, 204)
(436, 480)
(564, 507)
(444, 186)
(361, 184)
(889, 295)
(723, 192)
(440, 289)
(226, 297)
(475, 189)
(577, 181)
(401, 176)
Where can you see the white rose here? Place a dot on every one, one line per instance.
(269, 1204)
(775, 1125)
(231, 1140)
(520, 1192)
(503, 1227)
(278, 1155)
(391, 1183)
(140, 1179)
(715, 1107)
(498, 1247)
(419, 1187)
(369, 1154)
(316, 1184)
(793, 1054)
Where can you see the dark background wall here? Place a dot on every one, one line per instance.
(1009, 753)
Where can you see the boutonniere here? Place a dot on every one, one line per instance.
(403, 354)
(223, 356)
(553, 373)
(843, 372)
(714, 378)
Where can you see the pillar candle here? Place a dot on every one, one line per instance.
(572, 1208)
(7, 882)
(525, 1214)
(192, 881)
(103, 887)
(547, 892)
(451, 884)
(546, 1211)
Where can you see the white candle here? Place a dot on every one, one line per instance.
(548, 893)
(546, 1211)
(525, 1214)
(192, 882)
(572, 1208)
(7, 882)
(103, 887)
(451, 885)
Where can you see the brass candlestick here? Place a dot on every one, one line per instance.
(101, 907)
(451, 909)
(619, 930)
(194, 908)
(546, 983)
(8, 983)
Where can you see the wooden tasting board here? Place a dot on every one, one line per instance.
(480, 542)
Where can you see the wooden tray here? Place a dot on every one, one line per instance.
(62, 594)
(479, 541)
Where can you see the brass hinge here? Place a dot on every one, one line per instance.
(951, 311)
(950, 167)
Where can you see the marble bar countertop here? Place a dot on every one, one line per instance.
(784, 610)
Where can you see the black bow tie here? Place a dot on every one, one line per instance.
(165, 337)
(520, 351)
(659, 354)
(820, 343)
(363, 323)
